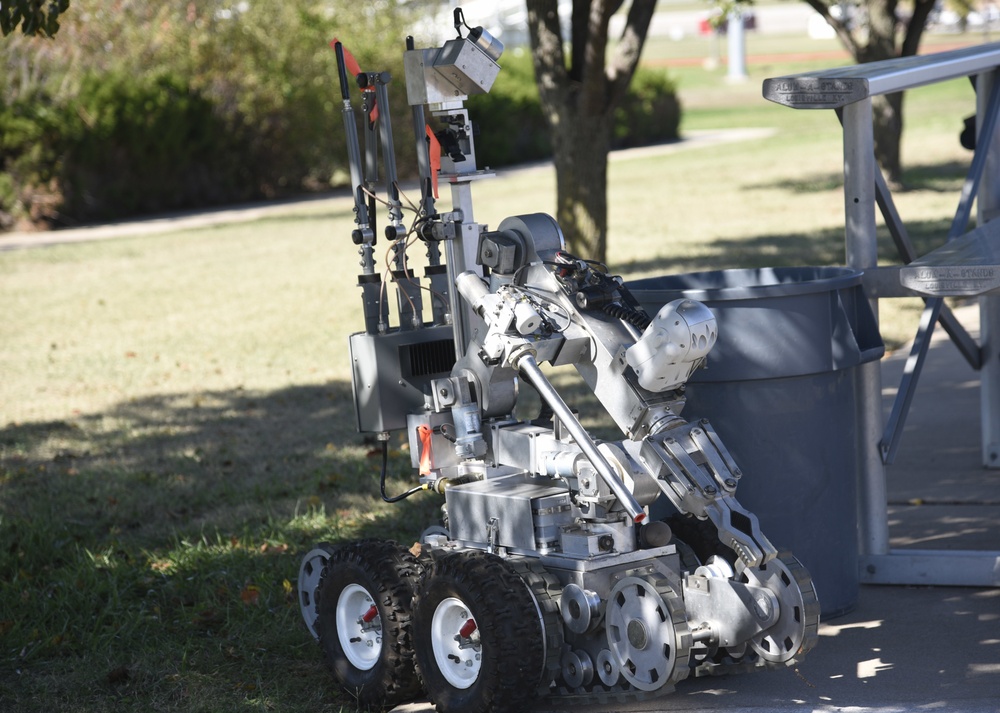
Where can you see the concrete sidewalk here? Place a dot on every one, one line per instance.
(903, 649)
(334, 201)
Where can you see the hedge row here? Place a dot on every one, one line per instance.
(512, 128)
(125, 145)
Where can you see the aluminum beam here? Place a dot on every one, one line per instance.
(849, 89)
(956, 568)
(988, 207)
(841, 86)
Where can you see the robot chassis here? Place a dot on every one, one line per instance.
(548, 578)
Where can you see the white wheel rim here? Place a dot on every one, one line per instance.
(360, 640)
(310, 572)
(459, 660)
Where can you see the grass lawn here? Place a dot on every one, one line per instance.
(176, 424)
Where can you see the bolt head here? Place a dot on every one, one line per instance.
(763, 607)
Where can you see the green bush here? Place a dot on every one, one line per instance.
(31, 149)
(509, 119)
(121, 146)
(651, 112)
(144, 145)
(512, 127)
(147, 107)
(162, 106)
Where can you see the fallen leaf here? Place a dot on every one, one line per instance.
(250, 595)
(118, 675)
(278, 549)
(209, 618)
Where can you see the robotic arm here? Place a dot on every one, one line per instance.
(569, 312)
(616, 606)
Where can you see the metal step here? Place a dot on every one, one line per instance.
(966, 266)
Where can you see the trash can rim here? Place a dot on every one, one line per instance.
(750, 283)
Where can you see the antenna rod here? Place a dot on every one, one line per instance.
(363, 234)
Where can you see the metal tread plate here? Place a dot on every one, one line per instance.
(966, 266)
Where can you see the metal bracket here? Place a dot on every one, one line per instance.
(733, 610)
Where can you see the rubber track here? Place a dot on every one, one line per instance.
(810, 605)
(545, 588)
(725, 665)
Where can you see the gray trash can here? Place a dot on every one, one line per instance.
(780, 391)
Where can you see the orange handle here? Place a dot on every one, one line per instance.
(425, 434)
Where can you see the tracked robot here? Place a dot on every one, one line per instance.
(548, 577)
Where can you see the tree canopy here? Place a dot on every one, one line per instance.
(35, 17)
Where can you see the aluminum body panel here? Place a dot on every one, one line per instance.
(391, 372)
(513, 501)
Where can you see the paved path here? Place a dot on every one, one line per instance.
(333, 201)
(904, 649)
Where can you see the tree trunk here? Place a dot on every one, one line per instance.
(872, 36)
(879, 29)
(579, 99)
(887, 125)
(581, 161)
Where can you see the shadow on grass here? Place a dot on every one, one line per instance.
(148, 554)
(943, 177)
(791, 249)
(161, 464)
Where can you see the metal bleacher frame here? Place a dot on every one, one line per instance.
(967, 265)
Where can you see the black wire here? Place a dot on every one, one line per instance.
(627, 314)
(385, 463)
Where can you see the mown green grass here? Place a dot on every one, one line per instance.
(176, 427)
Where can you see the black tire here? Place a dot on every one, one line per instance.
(358, 576)
(509, 647)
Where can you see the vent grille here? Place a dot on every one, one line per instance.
(427, 358)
